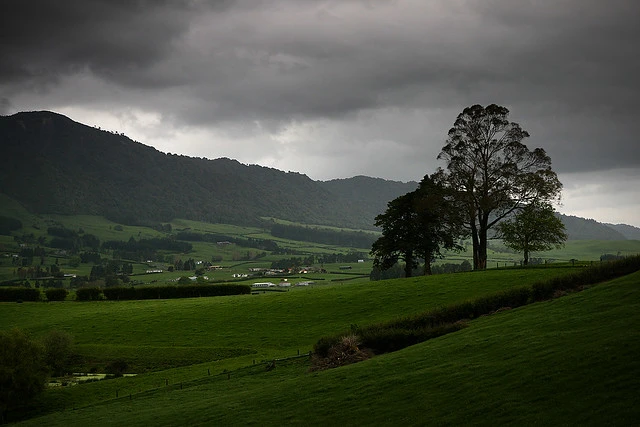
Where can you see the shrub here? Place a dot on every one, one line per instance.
(119, 293)
(56, 294)
(58, 348)
(88, 294)
(23, 369)
(117, 367)
(344, 352)
(19, 293)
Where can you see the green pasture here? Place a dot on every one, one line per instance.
(233, 255)
(569, 361)
(269, 325)
(321, 227)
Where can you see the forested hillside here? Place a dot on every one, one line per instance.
(589, 229)
(629, 232)
(55, 165)
(372, 194)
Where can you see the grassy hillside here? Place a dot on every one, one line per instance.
(266, 325)
(572, 360)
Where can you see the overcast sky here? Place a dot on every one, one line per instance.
(334, 89)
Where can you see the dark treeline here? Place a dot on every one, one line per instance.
(8, 224)
(156, 243)
(326, 258)
(294, 262)
(144, 249)
(70, 240)
(110, 268)
(354, 239)
(397, 271)
(161, 292)
(262, 244)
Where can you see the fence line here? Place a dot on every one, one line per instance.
(266, 365)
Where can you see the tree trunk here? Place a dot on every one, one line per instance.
(526, 257)
(482, 242)
(427, 268)
(475, 243)
(408, 266)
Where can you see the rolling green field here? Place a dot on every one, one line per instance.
(572, 360)
(266, 325)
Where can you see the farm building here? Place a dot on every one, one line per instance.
(263, 285)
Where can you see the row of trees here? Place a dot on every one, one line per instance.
(353, 239)
(491, 180)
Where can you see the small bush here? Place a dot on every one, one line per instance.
(88, 294)
(23, 370)
(56, 294)
(58, 346)
(344, 352)
(117, 367)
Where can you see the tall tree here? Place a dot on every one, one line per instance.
(397, 242)
(439, 219)
(418, 225)
(493, 172)
(23, 371)
(535, 228)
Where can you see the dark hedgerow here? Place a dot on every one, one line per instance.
(56, 294)
(385, 340)
(119, 293)
(10, 294)
(88, 294)
(400, 333)
(170, 292)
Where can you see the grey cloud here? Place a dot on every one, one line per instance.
(43, 40)
(567, 70)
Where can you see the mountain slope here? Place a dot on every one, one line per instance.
(371, 193)
(53, 164)
(588, 229)
(628, 231)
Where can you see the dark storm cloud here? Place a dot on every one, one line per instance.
(44, 40)
(566, 69)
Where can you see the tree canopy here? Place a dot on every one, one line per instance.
(493, 172)
(535, 228)
(417, 225)
(23, 370)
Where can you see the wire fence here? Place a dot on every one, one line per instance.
(208, 377)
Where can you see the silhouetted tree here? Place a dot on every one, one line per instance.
(493, 172)
(58, 347)
(418, 225)
(535, 228)
(23, 371)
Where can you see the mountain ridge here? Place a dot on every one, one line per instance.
(52, 164)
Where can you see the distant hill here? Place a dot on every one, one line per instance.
(371, 194)
(51, 164)
(588, 229)
(628, 231)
